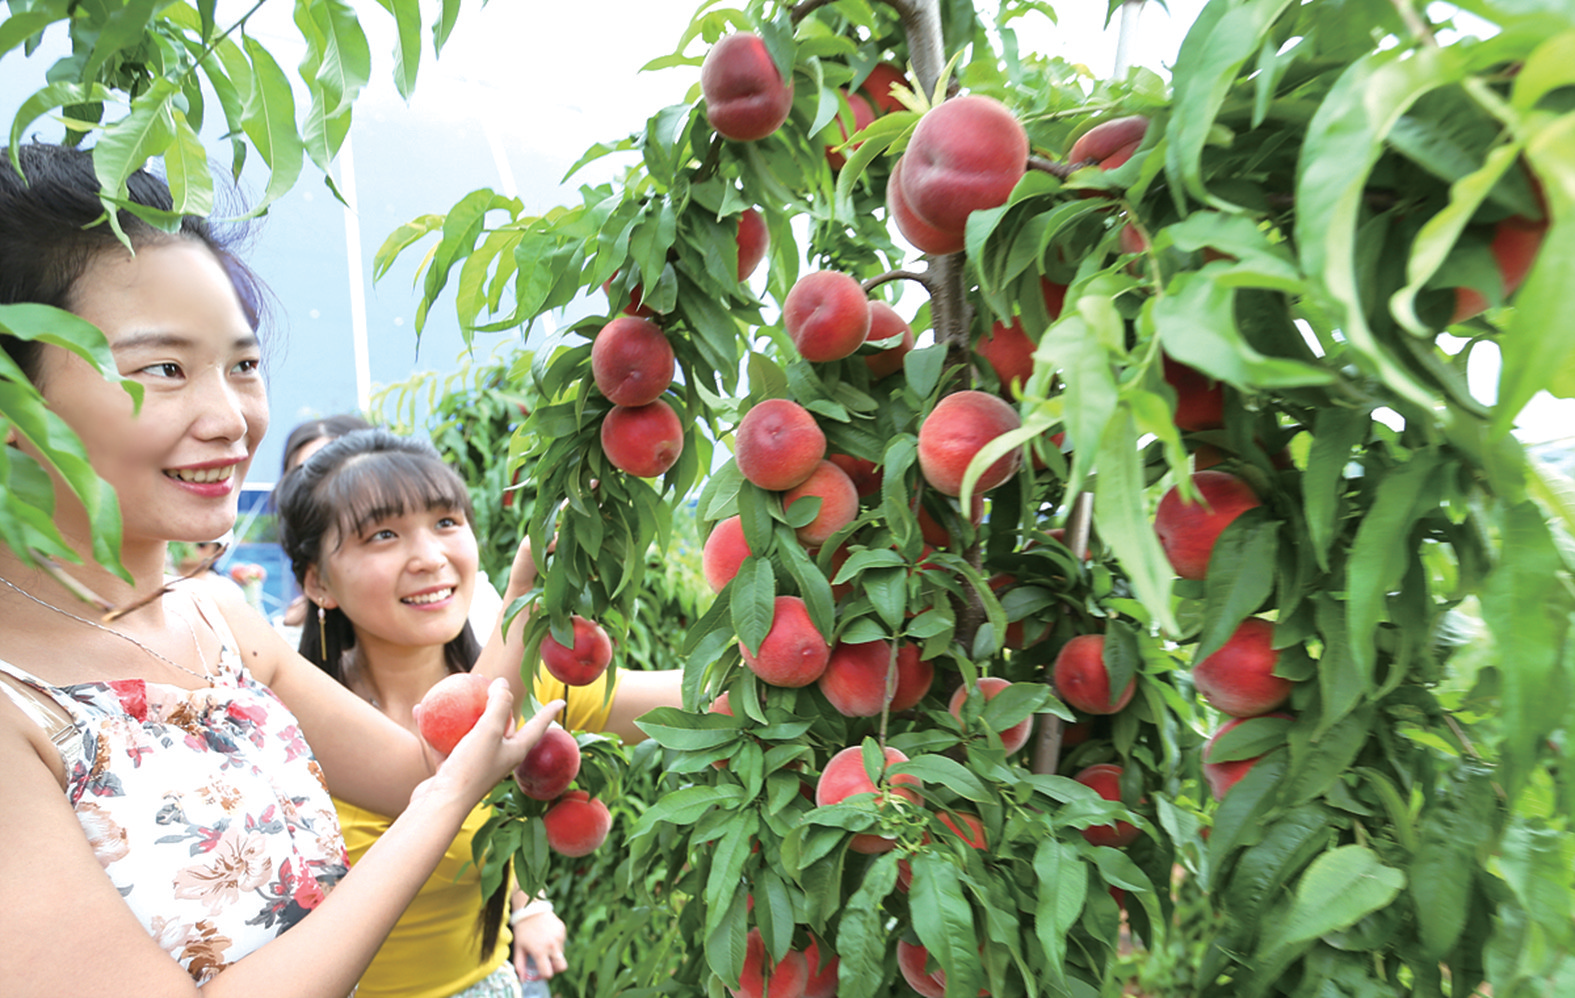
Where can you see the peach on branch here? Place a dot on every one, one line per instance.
(631, 361)
(1239, 679)
(855, 680)
(753, 242)
(937, 535)
(745, 96)
(1083, 681)
(886, 324)
(1200, 400)
(966, 155)
(577, 824)
(955, 823)
(914, 676)
(1516, 241)
(778, 444)
(839, 503)
(451, 708)
(788, 979)
(1222, 776)
(844, 776)
(581, 663)
(912, 961)
(822, 981)
(924, 236)
(643, 440)
(550, 766)
(826, 315)
(864, 474)
(1105, 780)
(1014, 737)
(794, 653)
(634, 306)
(1188, 531)
(877, 86)
(1109, 144)
(863, 116)
(958, 428)
(1010, 354)
(725, 550)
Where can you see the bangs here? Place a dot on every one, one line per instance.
(373, 487)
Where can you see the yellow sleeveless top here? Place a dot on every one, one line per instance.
(433, 950)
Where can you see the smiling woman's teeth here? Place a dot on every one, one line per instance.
(200, 475)
(441, 594)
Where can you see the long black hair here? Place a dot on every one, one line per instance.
(361, 478)
(326, 428)
(53, 225)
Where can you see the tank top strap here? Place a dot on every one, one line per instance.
(39, 702)
(230, 662)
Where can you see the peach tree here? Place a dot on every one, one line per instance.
(1212, 330)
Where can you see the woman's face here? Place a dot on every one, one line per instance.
(403, 581)
(175, 327)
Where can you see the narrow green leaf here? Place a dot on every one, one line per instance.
(1240, 579)
(269, 121)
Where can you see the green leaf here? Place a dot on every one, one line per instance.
(130, 142)
(1379, 555)
(269, 121)
(1124, 521)
(672, 728)
(1240, 578)
(1063, 885)
(939, 770)
(1336, 431)
(753, 601)
(944, 922)
(186, 168)
(1197, 325)
(685, 807)
(407, 54)
(1340, 888)
(862, 939)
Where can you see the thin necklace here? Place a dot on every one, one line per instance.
(205, 675)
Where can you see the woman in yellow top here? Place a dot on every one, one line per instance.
(378, 532)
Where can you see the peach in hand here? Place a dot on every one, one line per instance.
(451, 708)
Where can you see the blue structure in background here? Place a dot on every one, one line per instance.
(279, 587)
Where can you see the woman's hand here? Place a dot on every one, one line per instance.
(522, 574)
(490, 751)
(540, 939)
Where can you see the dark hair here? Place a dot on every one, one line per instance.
(363, 476)
(329, 427)
(52, 225)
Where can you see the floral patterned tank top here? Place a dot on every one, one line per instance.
(205, 807)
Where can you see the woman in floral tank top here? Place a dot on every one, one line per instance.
(165, 768)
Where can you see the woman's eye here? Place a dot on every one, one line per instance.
(168, 369)
(380, 535)
(451, 521)
(251, 366)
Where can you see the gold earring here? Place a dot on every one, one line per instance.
(322, 630)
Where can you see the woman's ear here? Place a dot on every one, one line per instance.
(316, 591)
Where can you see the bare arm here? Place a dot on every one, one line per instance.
(638, 692)
(502, 654)
(42, 921)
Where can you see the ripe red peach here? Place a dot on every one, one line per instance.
(778, 444)
(1110, 143)
(550, 766)
(1083, 681)
(1222, 776)
(1239, 679)
(839, 503)
(725, 550)
(577, 824)
(822, 979)
(989, 687)
(966, 155)
(745, 96)
(1188, 531)
(958, 428)
(844, 776)
(1010, 354)
(914, 676)
(864, 474)
(753, 242)
(643, 440)
(863, 116)
(855, 678)
(794, 653)
(886, 324)
(925, 237)
(451, 708)
(826, 315)
(788, 978)
(1516, 241)
(877, 87)
(911, 960)
(581, 664)
(1105, 780)
(1200, 400)
(937, 535)
(974, 836)
(631, 361)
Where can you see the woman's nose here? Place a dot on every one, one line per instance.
(224, 411)
(427, 551)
